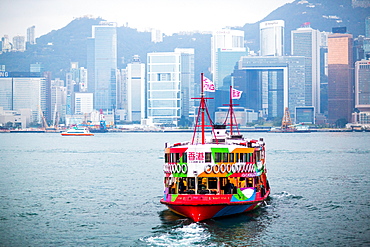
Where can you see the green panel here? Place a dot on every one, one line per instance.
(218, 150)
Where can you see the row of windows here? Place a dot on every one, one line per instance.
(219, 157)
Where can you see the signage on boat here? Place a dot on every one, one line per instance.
(196, 157)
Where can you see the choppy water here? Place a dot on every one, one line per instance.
(105, 190)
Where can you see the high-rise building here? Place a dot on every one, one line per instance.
(340, 77)
(156, 35)
(136, 90)
(83, 103)
(19, 43)
(305, 42)
(23, 90)
(102, 65)
(367, 27)
(6, 46)
(170, 86)
(226, 48)
(270, 84)
(31, 35)
(272, 38)
(362, 93)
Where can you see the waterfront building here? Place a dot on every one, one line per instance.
(362, 93)
(272, 38)
(226, 48)
(6, 46)
(270, 84)
(170, 86)
(340, 77)
(102, 65)
(305, 115)
(305, 41)
(31, 35)
(23, 90)
(135, 90)
(83, 103)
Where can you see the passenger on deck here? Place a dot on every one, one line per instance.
(229, 187)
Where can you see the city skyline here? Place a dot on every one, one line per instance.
(18, 15)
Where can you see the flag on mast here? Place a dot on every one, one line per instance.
(236, 94)
(208, 85)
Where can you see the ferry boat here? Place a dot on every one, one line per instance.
(217, 175)
(77, 131)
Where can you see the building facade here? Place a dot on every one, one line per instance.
(305, 42)
(23, 90)
(340, 77)
(272, 38)
(270, 84)
(226, 44)
(170, 86)
(102, 65)
(136, 93)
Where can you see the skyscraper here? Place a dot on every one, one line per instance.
(135, 90)
(270, 84)
(170, 85)
(102, 65)
(31, 35)
(362, 92)
(340, 77)
(272, 38)
(19, 43)
(306, 42)
(227, 46)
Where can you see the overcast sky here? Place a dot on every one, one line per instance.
(167, 15)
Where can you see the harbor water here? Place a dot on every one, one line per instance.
(105, 190)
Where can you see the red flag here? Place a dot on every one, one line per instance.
(208, 85)
(236, 94)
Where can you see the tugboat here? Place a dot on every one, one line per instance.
(215, 176)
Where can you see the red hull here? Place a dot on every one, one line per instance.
(199, 211)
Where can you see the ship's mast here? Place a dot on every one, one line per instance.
(231, 113)
(202, 110)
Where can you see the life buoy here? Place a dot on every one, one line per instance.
(215, 170)
(222, 168)
(184, 168)
(208, 168)
(228, 168)
(233, 168)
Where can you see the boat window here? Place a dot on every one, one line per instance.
(217, 157)
(225, 157)
(243, 157)
(231, 157)
(208, 157)
(185, 158)
(250, 182)
(212, 183)
(166, 158)
(177, 157)
(258, 156)
(237, 157)
(191, 183)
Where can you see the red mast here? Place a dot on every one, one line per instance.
(201, 112)
(231, 113)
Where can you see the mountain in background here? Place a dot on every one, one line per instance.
(58, 48)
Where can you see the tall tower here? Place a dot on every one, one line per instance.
(306, 42)
(231, 44)
(31, 35)
(136, 90)
(340, 77)
(170, 85)
(362, 92)
(272, 38)
(102, 65)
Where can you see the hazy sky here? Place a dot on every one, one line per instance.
(167, 15)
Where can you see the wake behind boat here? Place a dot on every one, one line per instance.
(77, 131)
(215, 176)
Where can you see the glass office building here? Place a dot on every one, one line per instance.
(102, 65)
(270, 84)
(170, 86)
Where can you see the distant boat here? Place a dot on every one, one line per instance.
(77, 131)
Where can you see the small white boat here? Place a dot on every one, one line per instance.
(77, 131)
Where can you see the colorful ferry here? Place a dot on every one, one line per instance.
(77, 131)
(217, 175)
